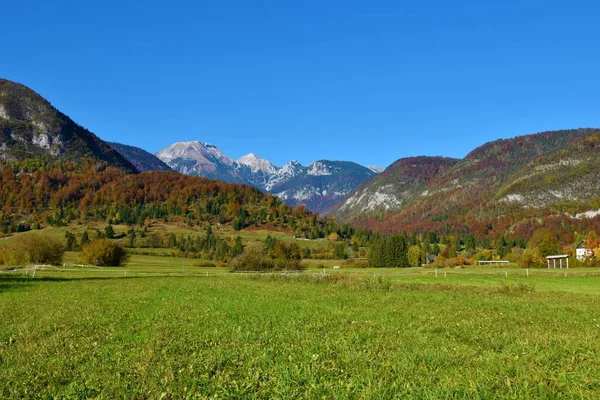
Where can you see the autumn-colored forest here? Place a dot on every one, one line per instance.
(36, 192)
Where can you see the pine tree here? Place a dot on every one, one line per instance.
(396, 251)
(172, 240)
(84, 239)
(501, 247)
(71, 241)
(339, 251)
(109, 232)
(132, 238)
(457, 245)
(470, 243)
(238, 247)
(375, 257)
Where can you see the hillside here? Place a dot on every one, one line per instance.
(140, 158)
(400, 183)
(30, 127)
(568, 177)
(492, 188)
(61, 193)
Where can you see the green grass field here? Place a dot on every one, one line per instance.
(161, 327)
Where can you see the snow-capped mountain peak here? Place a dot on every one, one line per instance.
(190, 149)
(375, 169)
(194, 156)
(284, 174)
(292, 168)
(318, 186)
(257, 164)
(319, 168)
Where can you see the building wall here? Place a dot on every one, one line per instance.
(581, 254)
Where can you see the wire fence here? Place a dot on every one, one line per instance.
(83, 271)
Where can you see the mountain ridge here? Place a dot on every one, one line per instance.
(30, 127)
(496, 186)
(477, 192)
(331, 180)
(140, 158)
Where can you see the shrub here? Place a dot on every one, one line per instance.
(103, 252)
(355, 264)
(530, 258)
(33, 249)
(456, 261)
(414, 256)
(204, 264)
(254, 259)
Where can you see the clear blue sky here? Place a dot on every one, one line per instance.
(367, 81)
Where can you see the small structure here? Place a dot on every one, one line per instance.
(560, 259)
(491, 262)
(581, 252)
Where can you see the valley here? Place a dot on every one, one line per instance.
(299, 200)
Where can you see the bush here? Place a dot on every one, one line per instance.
(530, 259)
(254, 259)
(103, 252)
(355, 264)
(458, 261)
(204, 264)
(33, 249)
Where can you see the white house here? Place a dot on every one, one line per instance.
(581, 252)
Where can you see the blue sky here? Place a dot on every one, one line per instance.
(367, 81)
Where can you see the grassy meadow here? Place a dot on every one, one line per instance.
(161, 327)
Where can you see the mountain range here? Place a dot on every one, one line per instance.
(499, 185)
(318, 186)
(508, 185)
(31, 128)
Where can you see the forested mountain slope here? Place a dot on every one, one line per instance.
(36, 192)
(140, 158)
(493, 187)
(30, 127)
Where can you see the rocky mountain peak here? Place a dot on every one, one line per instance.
(30, 127)
(375, 169)
(320, 168)
(318, 186)
(257, 164)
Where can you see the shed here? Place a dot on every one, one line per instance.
(560, 258)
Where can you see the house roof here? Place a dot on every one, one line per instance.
(581, 245)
